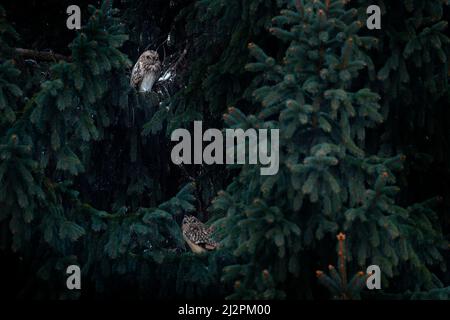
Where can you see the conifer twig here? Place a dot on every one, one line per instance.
(342, 259)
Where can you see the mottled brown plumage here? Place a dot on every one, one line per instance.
(146, 71)
(197, 235)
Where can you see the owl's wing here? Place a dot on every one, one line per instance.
(137, 74)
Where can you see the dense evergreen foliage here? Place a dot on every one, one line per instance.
(86, 176)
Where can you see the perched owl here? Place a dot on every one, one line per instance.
(146, 71)
(197, 235)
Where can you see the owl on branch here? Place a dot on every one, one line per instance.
(197, 235)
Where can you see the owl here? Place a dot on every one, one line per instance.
(146, 71)
(197, 235)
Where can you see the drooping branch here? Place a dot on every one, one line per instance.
(41, 55)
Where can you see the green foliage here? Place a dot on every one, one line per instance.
(10, 93)
(435, 294)
(217, 34)
(327, 180)
(8, 34)
(20, 189)
(337, 281)
(52, 179)
(85, 172)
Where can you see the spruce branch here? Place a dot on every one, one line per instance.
(41, 55)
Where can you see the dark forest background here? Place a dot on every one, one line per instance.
(86, 176)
